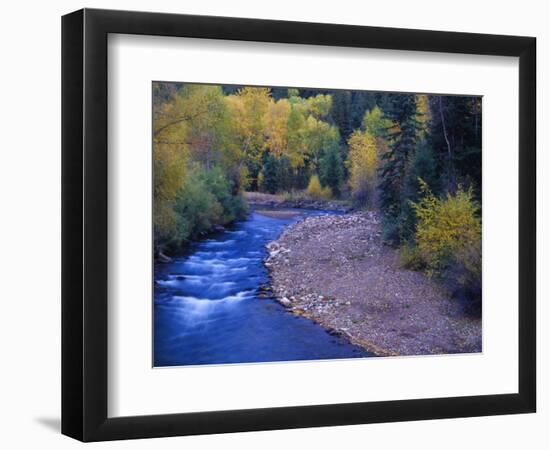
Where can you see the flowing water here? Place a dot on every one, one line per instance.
(206, 310)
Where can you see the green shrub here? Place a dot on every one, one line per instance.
(205, 199)
(410, 257)
(233, 206)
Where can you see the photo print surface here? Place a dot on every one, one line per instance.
(294, 224)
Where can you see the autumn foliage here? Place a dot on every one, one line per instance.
(316, 191)
(448, 233)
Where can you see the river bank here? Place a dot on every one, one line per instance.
(298, 200)
(336, 271)
(281, 206)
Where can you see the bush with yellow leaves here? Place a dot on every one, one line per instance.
(316, 191)
(448, 235)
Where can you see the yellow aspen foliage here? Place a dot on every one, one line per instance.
(276, 118)
(315, 190)
(247, 109)
(318, 136)
(170, 153)
(293, 128)
(320, 105)
(326, 193)
(423, 115)
(375, 123)
(296, 146)
(448, 229)
(362, 164)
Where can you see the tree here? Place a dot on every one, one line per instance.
(318, 137)
(423, 115)
(248, 110)
(276, 126)
(270, 174)
(455, 136)
(341, 113)
(293, 92)
(362, 164)
(331, 170)
(320, 105)
(284, 171)
(361, 101)
(421, 173)
(192, 134)
(315, 190)
(296, 149)
(402, 142)
(375, 123)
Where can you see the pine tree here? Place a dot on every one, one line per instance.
(341, 113)
(284, 170)
(270, 175)
(455, 135)
(402, 142)
(421, 172)
(331, 169)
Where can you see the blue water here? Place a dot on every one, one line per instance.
(206, 310)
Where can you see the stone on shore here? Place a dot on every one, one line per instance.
(285, 302)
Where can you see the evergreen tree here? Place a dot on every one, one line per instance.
(455, 135)
(361, 102)
(331, 169)
(270, 175)
(402, 142)
(284, 170)
(341, 113)
(421, 167)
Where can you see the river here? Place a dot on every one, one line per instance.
(206, 308)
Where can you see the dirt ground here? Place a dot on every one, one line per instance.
(336, 271)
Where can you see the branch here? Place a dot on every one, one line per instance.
(444, 128)
(178, 120)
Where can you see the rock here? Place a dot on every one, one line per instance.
(264, 291)
(161, 257)
(285, 302)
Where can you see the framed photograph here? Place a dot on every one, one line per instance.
(273, 224)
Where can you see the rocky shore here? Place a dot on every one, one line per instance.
(262, 201)
(336, 271)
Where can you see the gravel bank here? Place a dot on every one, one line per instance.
(263, 201)
(336, 271)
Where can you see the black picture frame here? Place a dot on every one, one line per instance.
(84, 224)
